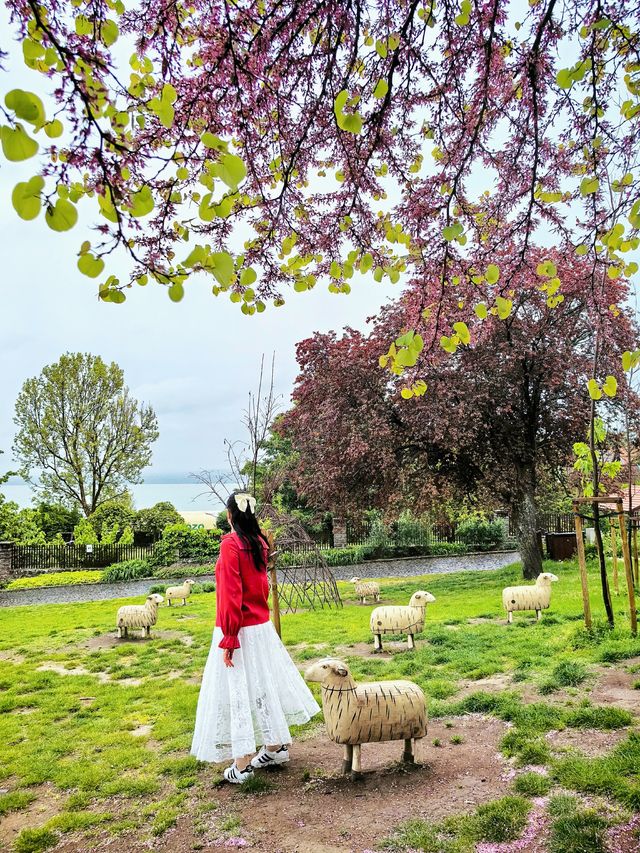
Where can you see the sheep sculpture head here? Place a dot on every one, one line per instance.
(354, 580)
(546, 578)
(421, 599)
(189, 583)
(155, 598)
(328, 671)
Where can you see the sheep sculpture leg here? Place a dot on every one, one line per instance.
(377, 643)
(407, 755)
(347, 760)
(411, 643)
(538, 615)
(510, 617)
(356, 765)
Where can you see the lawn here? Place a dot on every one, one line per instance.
(95, 733)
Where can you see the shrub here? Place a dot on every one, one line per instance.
(153, 520)
(181, 543)
(126, 537)
(84, 533)
(110, 514)
(127, 570)
(177, 571)
(480, 532)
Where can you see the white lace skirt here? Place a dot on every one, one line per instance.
(252, 703)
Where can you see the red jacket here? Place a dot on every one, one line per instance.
(242, 590)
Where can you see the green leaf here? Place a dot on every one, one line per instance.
(382, 87)
(230, 169)
(222, 267)
(610, 386)
(450, 232)
(84, 27)
(89, 265)
(26, 197)
(381, 48)
(594, 389)
(248, 276)
(62, 216)
(107, 208)
(504, 307)
(17, 145)
(582, 249)
(209, 140)
(142, 202)
(589, 185)
(564, 78)
(492, 274)
(462, 331)
(626, 360)
(481, 311)
(350, 122)
(366, 262)
(169, 93)
(176, 292)
(109, 32)
(26, 106)
(53, 129)
(406, 393)
(448, 344)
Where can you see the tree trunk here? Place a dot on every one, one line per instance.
(526, 518)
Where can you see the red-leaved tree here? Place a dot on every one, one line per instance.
(510, 401)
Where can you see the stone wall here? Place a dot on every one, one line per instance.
(339, 533)
(6, 549)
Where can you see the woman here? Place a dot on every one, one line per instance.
(251, 690)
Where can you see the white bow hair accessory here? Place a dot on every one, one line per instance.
(243, 500)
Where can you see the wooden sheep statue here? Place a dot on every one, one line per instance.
(139, 616)
(397, 619)
(365, 588)
(536, 596)
(183, 591)
(368, 713)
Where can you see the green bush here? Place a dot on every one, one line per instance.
(181, 543)
(481, 533)
(128, 570)
(178, 571)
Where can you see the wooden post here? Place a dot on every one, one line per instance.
(614, 556)
(633, 617)
(273, 573)
(582, 563)
(635, 549)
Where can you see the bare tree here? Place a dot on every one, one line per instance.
(244, 457)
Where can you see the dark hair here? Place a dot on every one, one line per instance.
(246, 526)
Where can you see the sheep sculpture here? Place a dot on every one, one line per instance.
(176, 592)
(535, 596)
(365, 588)
(373, 712)
(139, 616)
(400, 619)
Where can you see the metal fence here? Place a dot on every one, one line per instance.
(550, 522)
(43, 557)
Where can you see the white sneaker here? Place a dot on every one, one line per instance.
(238, 777)
(264, 758)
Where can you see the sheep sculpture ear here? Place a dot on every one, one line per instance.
(340, 670)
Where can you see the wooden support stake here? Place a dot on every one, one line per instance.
(582, 563)
(633, 616)
(635, 554)
(614, 556)
(273, 573)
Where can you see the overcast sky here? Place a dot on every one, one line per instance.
(194, 362)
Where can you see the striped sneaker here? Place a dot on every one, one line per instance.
(238, 777)
(264, 758)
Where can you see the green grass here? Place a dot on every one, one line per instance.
(532, 784)
(575, 829)
(78, 732)
(56, 579)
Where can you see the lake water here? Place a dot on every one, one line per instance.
(184, 496)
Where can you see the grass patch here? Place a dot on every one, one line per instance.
(78, 732)
(532, 784)
(575, 829)
(501, 820)
(35, 840)
(56, 579)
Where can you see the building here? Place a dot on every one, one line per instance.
(200, 519)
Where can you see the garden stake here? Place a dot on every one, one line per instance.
(586, 604)
(635, 549)
(614, 556)
(273, 573)
(627, 569)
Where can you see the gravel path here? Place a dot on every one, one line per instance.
(376, 568)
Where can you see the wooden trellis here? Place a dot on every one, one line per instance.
(306, 583)
(626, 556)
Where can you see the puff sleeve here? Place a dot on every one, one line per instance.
(229, 594)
